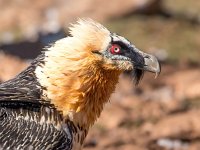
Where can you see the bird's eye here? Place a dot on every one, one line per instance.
(115, 49)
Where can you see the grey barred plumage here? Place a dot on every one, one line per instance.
(24, 134)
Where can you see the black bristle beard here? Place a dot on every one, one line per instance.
(135, 75)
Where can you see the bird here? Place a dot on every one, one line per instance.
(52, 104)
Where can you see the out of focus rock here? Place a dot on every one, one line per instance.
(7, 37)
(172, 144)
(185, 83)
(10, 66)
(195, 146)
(127, 147)
(180, 126)
(163, 94)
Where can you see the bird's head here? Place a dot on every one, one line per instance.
(113, 51)
(80, 71)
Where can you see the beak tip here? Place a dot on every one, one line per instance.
(157, 74)
(152, 65)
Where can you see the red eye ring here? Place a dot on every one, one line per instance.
(115, 49)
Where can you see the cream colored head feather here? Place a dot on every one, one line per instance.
(94, 34)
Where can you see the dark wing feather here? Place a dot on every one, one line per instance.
(22, 127)
(26, 120)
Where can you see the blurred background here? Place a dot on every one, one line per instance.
(160, 114)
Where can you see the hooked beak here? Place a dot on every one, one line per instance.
(151, 64)
(147, 62)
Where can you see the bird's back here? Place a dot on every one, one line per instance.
(20, 129)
